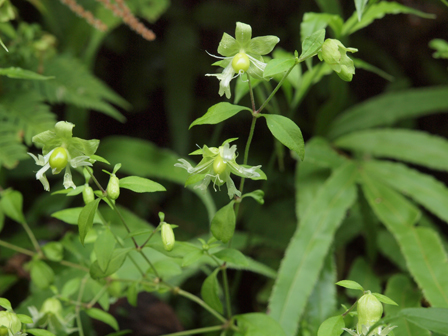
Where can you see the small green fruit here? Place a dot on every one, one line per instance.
(240, 63)
(58, 159)
(87, 194)
(219, 166)
(113, 187)
(370, 310)
(168, 238)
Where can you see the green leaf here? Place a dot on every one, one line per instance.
(167, 268)
(389, 247)
(312, 44)
(102, 316)
(86, 216)
(223, 224)
(434, 319)
(276, 66)
(24, 318)
(389, 108)
(70, 287)
(40, 332)
(218, 113)
(361, 272)
(104, 248)
(256, 195)
(2, 218)
(360, 5)
(332, 326)
(115, 263)
(319, 151)
(192, 257)
(232, 256)
(426, 150)
(259, 324)
(378, 11)
(424, 189)
(140, 184)
(14, 72)
(287, 132)
(350, 284)
(11, 203)
(71, 216)
(5, 304)
(41, 274)
(313, 22)
(385, 299)
(360, 64)
(54, 251)
(441, 47)
(306, 252)
(262, 45)
(132, 294)
(210, 291)
(424, 253)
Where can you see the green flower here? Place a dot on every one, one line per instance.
(334, 54)
(216, 165)
(60, 150)
(9, 323)
(242, 54)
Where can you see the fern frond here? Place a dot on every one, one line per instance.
(11, 148)
(26, 111)
(74, 84)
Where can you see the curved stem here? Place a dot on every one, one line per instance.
(226, 290)
(32, 238)
(196, 331)
(201, 303)
(77, 309)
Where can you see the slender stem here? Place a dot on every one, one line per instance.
(77, 309)
(251, 92)
(73, 265)
(348, 310)
(17, 248)
(226, 291)
(32, 238)
(150, 264)
(97, 296)
(150, 236)
(196, 299)
(196, 331)
(279, 85)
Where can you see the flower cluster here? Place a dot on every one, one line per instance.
(216, 165)
(61, 150)
(242, 54)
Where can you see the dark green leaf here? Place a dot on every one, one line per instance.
(256, 195)
(11, 203)
(71, 216)
(41, 274)
(14, 72)
(313, 22)
(104, 248)
(102, 316)
(39, 332)
(350, 284)
(434, 319)
(332, 326)
(312, 44)
(389, 108)
(426, 150)
(287, 132)
(115, 264)
(223, 224)
(85, 219)
(306, 252)
(276, 66)
(232, 256)
(259, 324)
(210, 291)
(218, 113)
(140, 184)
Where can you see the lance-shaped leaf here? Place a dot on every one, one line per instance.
(306, 252)
(140, 184)
(85, 219)
(312, 44)
(219, 112)
(210, 292)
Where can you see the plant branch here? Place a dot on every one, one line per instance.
(196, 331)
(204, 305)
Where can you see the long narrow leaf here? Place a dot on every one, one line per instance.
(424, 253)
(306, 252)
(388, 108)
(424, 189)
(412, 146)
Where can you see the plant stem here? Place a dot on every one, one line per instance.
(73, 265)
(196, 331)
(17, 248)
(196, 299)
(348, 310)
(97, 296)
(251, 92)
(32, 238)
(279, 85)
(226, 291)
(77, 309)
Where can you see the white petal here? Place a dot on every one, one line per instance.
(204, 184)
(45, 183)
(196, 170)
(231, 189)
(228, 153)
(351, 332)
(68, 182)
(42, 171)
(259, 64)
(80, 161)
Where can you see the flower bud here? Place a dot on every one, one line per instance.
(51, 305)
(113, 187)
(87, 194)
(167, 236)
(334, 53)
(10, 322)
(370, 310)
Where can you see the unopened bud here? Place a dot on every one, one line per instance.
(10, 322)
(113, 187)
(167, 236)
(370, 310)
(87, 194)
